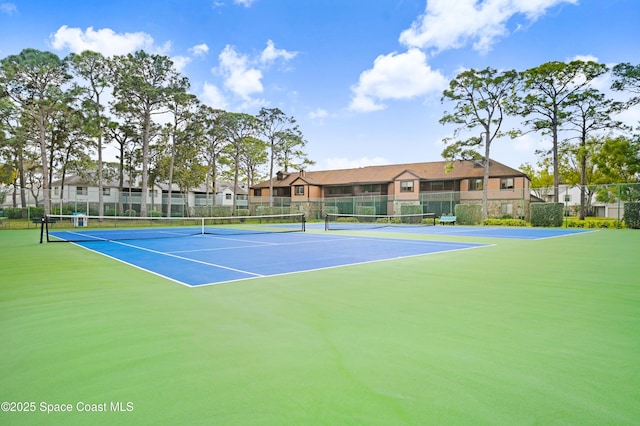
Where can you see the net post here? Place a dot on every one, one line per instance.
(326, 222)
(43, 220)
(304, 222)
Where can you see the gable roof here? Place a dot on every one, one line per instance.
(436, 170)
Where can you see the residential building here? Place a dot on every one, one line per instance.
(436, 186)
(82, 195)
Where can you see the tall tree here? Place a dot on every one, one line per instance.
(143, 84)
(589, 112)
(14, 145)
(254, 156)
(214, 141)
(34, 80)
(291, 153)
(93, 68)
(238, 128)
(480, 101)
(546, 103)
(273, 123)
(182, 106)
(125, 136)
(627, 78)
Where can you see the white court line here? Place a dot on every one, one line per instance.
(340, 266)
(188, 259)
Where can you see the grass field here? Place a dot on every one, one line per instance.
(519, 333)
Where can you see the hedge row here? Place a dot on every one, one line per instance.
(547, 214)
(505, 222)
(632, 215)
(468, 214)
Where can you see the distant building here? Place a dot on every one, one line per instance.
(436, 186)
(82, 195)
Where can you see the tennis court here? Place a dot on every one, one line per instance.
(523, 331)
(206, 259)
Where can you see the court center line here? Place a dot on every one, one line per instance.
(188, 259)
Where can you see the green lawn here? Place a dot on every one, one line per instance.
(520, 333)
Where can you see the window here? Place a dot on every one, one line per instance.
(81, 190)
(257, 192)
(56, 190)
(506, 183)
(406, 186)
(475, 185)
(437, 185)
(227, 196)
(299, 189)
(506, 208)
(373, 188)
(106, 192)
(338, 190)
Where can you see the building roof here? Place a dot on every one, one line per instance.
(437, 170)
(77, 180)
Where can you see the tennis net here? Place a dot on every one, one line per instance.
(335, 221)
(81, 228)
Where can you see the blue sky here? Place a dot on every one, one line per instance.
(363, 78)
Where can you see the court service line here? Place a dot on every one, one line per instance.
(343, 265)
(187, 259)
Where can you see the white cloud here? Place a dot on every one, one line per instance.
(240, 78)
(395, 76)
(318, 114)
(104, 41)
(212, 96)
(346, 163)
(180, 62)
(271, 54)
(8, 8)
(245, 3)
(453, 24)
(199, 50)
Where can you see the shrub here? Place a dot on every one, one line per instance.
(468, 214)
(410, 209)
(331, 210)
(130, 213)
(366, 210)
(505, 222)
(632, 215)
(242, 212)
(13, 213)
(348, 219)
(547, 214)
(266, 210)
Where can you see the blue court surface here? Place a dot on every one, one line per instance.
(465, 231)
(205, 259)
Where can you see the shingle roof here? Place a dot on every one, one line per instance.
(436, 170)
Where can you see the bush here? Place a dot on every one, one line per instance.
(366, 210)
(266, 210)
(411, 209)
(331, 210)
(547, 214)
(242, 212)
(505, 222)
(348, 219)
(632, 215)
(131, 213)
(468, 214)
(13, 213)
(591, 223)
